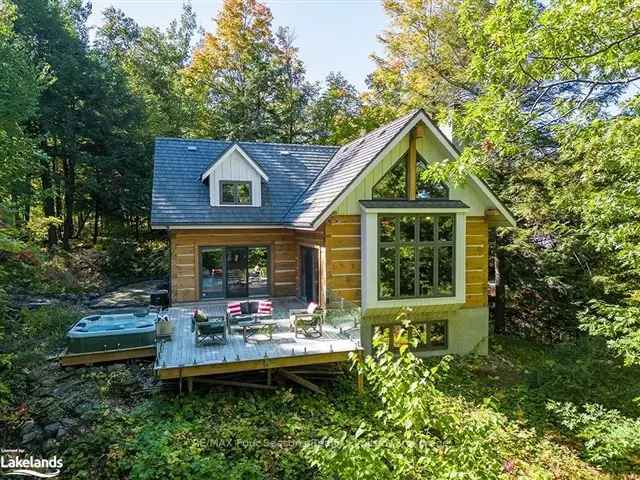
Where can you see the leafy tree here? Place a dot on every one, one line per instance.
(152, 60)
(21, 81)
(336, 114)
(232, 74)
(522, 81)
(294, 94)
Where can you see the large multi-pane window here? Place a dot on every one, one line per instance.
(416, 256)
(393, 185)
(421, 335)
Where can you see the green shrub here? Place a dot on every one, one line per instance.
(127, 260)
(417, 432)
(611, 440)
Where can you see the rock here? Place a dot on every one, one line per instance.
(61, 433)
(28, 426)
(69, 422)
(32, 436)
(52, 429)
(50, 445)
(116, 366)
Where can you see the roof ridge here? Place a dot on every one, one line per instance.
(246, 141)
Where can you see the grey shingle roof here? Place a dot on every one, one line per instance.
(347, 164)
(180, 198)
(302, 185)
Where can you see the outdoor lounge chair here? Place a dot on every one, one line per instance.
(307, 321)
(206, 329)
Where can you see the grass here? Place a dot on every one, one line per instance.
(519, 378)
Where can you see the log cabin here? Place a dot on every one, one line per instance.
(356, 222)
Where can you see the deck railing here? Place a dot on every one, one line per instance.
(342, 314)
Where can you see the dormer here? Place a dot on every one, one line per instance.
(235, 179)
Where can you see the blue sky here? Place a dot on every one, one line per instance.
(332, 35)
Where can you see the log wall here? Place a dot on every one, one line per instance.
(343, 256)
(477, 262)
(185, 258)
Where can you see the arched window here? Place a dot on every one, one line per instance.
(393, 185)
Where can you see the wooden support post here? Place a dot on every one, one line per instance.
(360, 378)
(190, 385)
(411, 166)
(233, 383)
(268, 376)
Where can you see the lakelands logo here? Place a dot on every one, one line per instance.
(15, 462)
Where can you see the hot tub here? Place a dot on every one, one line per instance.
(112, 331)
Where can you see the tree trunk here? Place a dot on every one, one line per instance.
(96, 220)
(48, 203)
(69, 171)
(499, 320)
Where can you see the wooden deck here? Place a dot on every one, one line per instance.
(180, 357)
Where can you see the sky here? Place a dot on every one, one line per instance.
(332, 35)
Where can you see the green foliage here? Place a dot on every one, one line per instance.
(26, 339)
(611, 439)
(540, 96)
(418, 431)
(128, 260)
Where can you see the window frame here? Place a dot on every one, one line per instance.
(435, 244)
(404, 158)
(236, 196)
(428, 347)
(421, 160)
(401, 160)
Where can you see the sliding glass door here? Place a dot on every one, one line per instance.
(234, 272)
(212, 273)
(258, 271)
(237, 285)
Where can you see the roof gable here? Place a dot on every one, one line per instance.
(353, 162)
(228, 153)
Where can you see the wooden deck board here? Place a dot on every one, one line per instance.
(180, 357)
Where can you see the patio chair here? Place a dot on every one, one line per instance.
(212, 330)
(307, 321)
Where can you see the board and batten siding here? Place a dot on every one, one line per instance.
(235, 168)
(185, 258)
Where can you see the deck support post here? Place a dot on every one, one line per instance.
(268, 376)
(360, 375)
(190, 385)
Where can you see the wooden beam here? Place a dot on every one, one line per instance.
(411, 166)
(300, 381)
(249, 365)
(72, 359)
(232, 383)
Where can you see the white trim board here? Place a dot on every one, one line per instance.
(234, 148)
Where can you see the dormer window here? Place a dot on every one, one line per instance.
(234, 179)
(235, 193)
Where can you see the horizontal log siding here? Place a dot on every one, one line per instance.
(185, 258)
(343, 257)
(477, 262)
